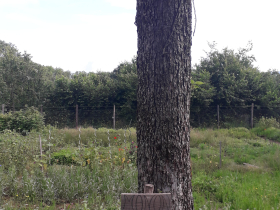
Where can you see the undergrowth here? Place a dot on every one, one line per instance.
(89, 169)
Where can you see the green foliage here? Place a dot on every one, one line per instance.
(241, 132)
(225, 78)
(22, 121)
(98, 180)
(269, 133)
(266, 122)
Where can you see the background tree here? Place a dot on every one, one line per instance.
(225, 78)
(163, 98)
(125, 86)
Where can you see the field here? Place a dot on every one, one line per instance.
(89, 169)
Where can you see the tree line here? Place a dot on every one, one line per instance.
(225, 78)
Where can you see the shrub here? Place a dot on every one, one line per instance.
(265, 122)
(22, 121)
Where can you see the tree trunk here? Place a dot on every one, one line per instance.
(163, 98)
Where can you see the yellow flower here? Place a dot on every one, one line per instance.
(123, 160)
(16, 195)
(88, 161)
(27, 196)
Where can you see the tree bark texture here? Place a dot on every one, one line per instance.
(164, 30)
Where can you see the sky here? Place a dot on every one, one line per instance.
(97, 35)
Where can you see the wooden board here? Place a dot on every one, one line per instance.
(146, 201)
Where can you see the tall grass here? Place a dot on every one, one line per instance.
(94, 176)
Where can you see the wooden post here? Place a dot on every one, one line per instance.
(218, 116)
(77, 109)
(252, 115)
(147, 200)
(3, 108)
(220, 155)
(149, 188)
(114, 119)
(41, 149)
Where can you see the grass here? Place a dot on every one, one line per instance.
(89, 169)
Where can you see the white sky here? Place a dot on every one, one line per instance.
(93, 35)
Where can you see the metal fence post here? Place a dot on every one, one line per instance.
(220, 155)
(252, 114)
(77, 109)
(218, 116)
(114, 118)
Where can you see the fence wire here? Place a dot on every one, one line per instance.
(200, 116)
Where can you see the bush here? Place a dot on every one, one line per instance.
(265, 122)
(22, 121)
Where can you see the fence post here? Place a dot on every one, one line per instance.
(41, 153)
(220, 155)
(252, 114)
(114, 119)
(218, 116)
(3, 107)
(77, 109)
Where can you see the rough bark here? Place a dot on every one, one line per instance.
(164, 30)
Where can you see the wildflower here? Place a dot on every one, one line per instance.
(115, 137)
(27, 196)
(0, 165)
(123, 160)
(16, 195)
(132, 142)
(136, 146)
(210, 161)
(119, 149)
(130, 152)
(118, 135)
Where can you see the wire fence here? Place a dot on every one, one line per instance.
(119, 117)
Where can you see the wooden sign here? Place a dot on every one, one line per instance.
(146, 201)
